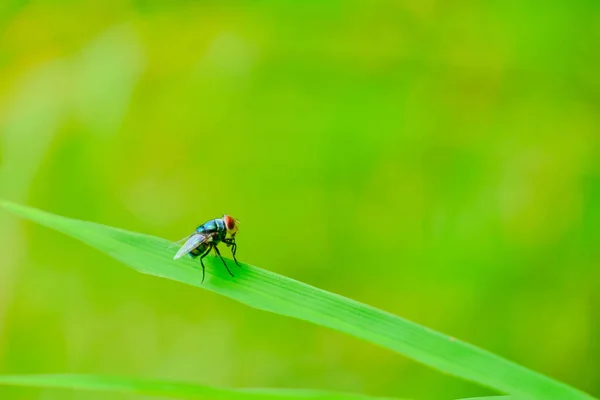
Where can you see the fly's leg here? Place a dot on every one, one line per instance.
(202, 262)
(231, 242)
(221, 257)
(233, 251)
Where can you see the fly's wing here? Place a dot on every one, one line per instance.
(194, 241)
(181, 240)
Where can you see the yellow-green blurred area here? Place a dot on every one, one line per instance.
(437, 160)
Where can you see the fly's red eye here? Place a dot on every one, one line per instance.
(229, 222)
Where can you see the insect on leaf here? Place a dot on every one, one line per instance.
(269, 291)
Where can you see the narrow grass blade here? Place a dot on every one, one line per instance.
(272, 292)
(492, 398)
(170, 389)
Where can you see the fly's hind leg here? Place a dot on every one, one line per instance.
(221, 257)
(202, 262)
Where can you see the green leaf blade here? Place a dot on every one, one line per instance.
(268, 291)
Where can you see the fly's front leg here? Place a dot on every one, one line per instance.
(231, 242)
(221, 257)
(233, 251)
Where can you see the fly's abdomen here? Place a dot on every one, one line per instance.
(198, 251)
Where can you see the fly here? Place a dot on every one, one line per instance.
(207, 236)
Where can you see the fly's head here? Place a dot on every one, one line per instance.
(231, 224)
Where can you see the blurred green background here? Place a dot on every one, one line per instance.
(436, 160)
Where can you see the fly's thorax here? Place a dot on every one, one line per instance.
(221, 229)
(208, 227)
(215, 228)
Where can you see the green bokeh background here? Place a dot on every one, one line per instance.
(436, 160)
